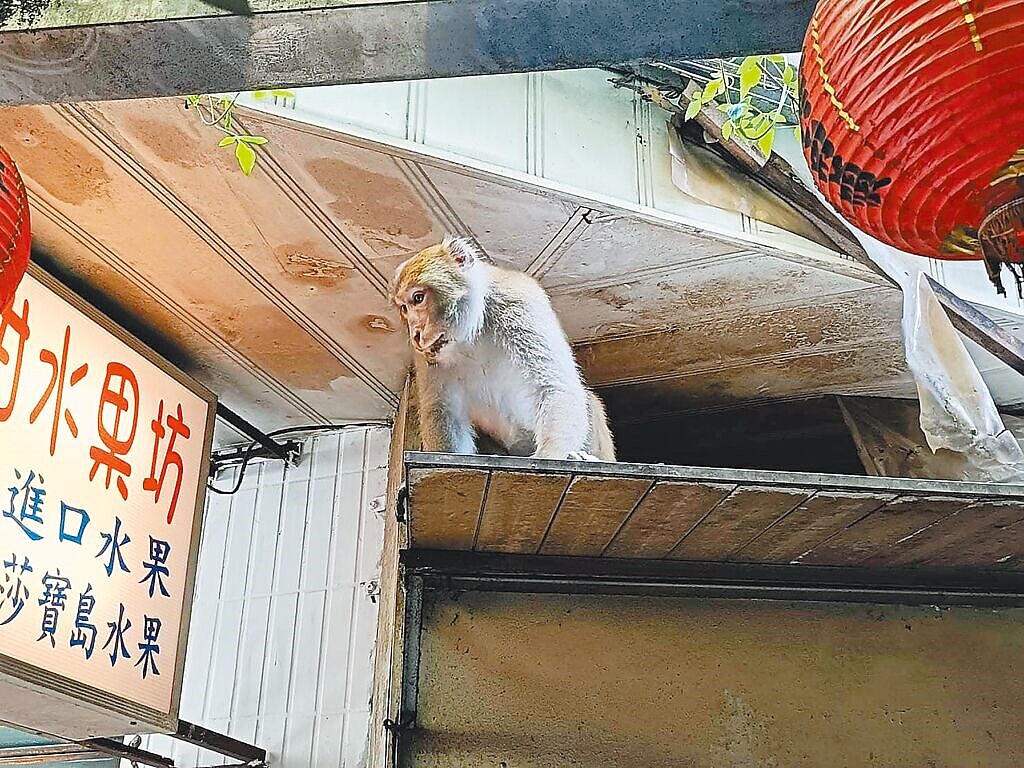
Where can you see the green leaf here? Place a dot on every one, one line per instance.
(712, 89)
(282, 94)
(692, 110)
(253, 139)
(796, 132)
(777, 59)
(724, 107)
(727, 131)
(227, 141)
(259, 94)
(246, 157)
(778, 117)
(766, 142)
(788, 75)
(749, 77)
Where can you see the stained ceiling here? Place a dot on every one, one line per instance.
(270, 289)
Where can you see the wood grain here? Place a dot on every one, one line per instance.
(663, 517)
(967, 535)
(881, 530)
(444, 507)
(591, 513)
(517, 512)
(813, 521)
(739, 518)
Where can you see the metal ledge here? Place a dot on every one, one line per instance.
(574, 575)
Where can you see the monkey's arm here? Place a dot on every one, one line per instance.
(444, 428)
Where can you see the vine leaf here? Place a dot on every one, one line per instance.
(693, 109)
(711, 90)
(750, 75)
(766, 142)
(246, 157)
(227, 141)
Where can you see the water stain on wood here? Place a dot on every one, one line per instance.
(386, 210)
(167, 139)
(63, 167)
(282, 348)
(301, 262)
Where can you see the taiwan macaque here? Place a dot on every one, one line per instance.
(494, 369)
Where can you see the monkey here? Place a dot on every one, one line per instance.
(494, 369)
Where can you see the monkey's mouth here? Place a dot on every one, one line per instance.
(435, 349)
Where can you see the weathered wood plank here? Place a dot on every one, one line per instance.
(591, 513)
(387, 658)
(881, 530)
(735, 521)
(383, 41)
(517, 512)
(809, 524)
(965, 534)
(445, 507)
(663, 517)
(753, 477)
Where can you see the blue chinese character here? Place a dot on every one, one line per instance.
(31, 504)
(15, 591)
(114, 542)
(159, 551)
(149, 649)
(84, 633)
(53, 601)
(67, 514)
(117, 632)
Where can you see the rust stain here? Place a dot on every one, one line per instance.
(302, 262)
(67, 169)
(281, 347)
(389, 214)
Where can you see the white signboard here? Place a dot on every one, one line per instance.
(103, 463)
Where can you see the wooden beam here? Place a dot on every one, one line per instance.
(980, 328)
(381, 42)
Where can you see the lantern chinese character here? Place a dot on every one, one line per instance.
(15, 229)
(912, 117)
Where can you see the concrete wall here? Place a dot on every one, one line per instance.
(525, 681)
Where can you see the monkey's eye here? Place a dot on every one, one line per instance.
(418, 297)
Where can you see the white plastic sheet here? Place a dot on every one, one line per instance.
(957, 410)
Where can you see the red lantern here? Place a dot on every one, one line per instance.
(912, 116)
(15, 229)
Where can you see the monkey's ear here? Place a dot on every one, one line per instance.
(462, 250)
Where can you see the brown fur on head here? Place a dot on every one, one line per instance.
(427, 289)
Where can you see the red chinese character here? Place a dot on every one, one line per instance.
(57, 380)
(171, 457)
(18, 324)
(112, 434)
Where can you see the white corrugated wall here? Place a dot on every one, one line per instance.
(283, 626)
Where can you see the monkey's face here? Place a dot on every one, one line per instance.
(419, 306)
(429, 289)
